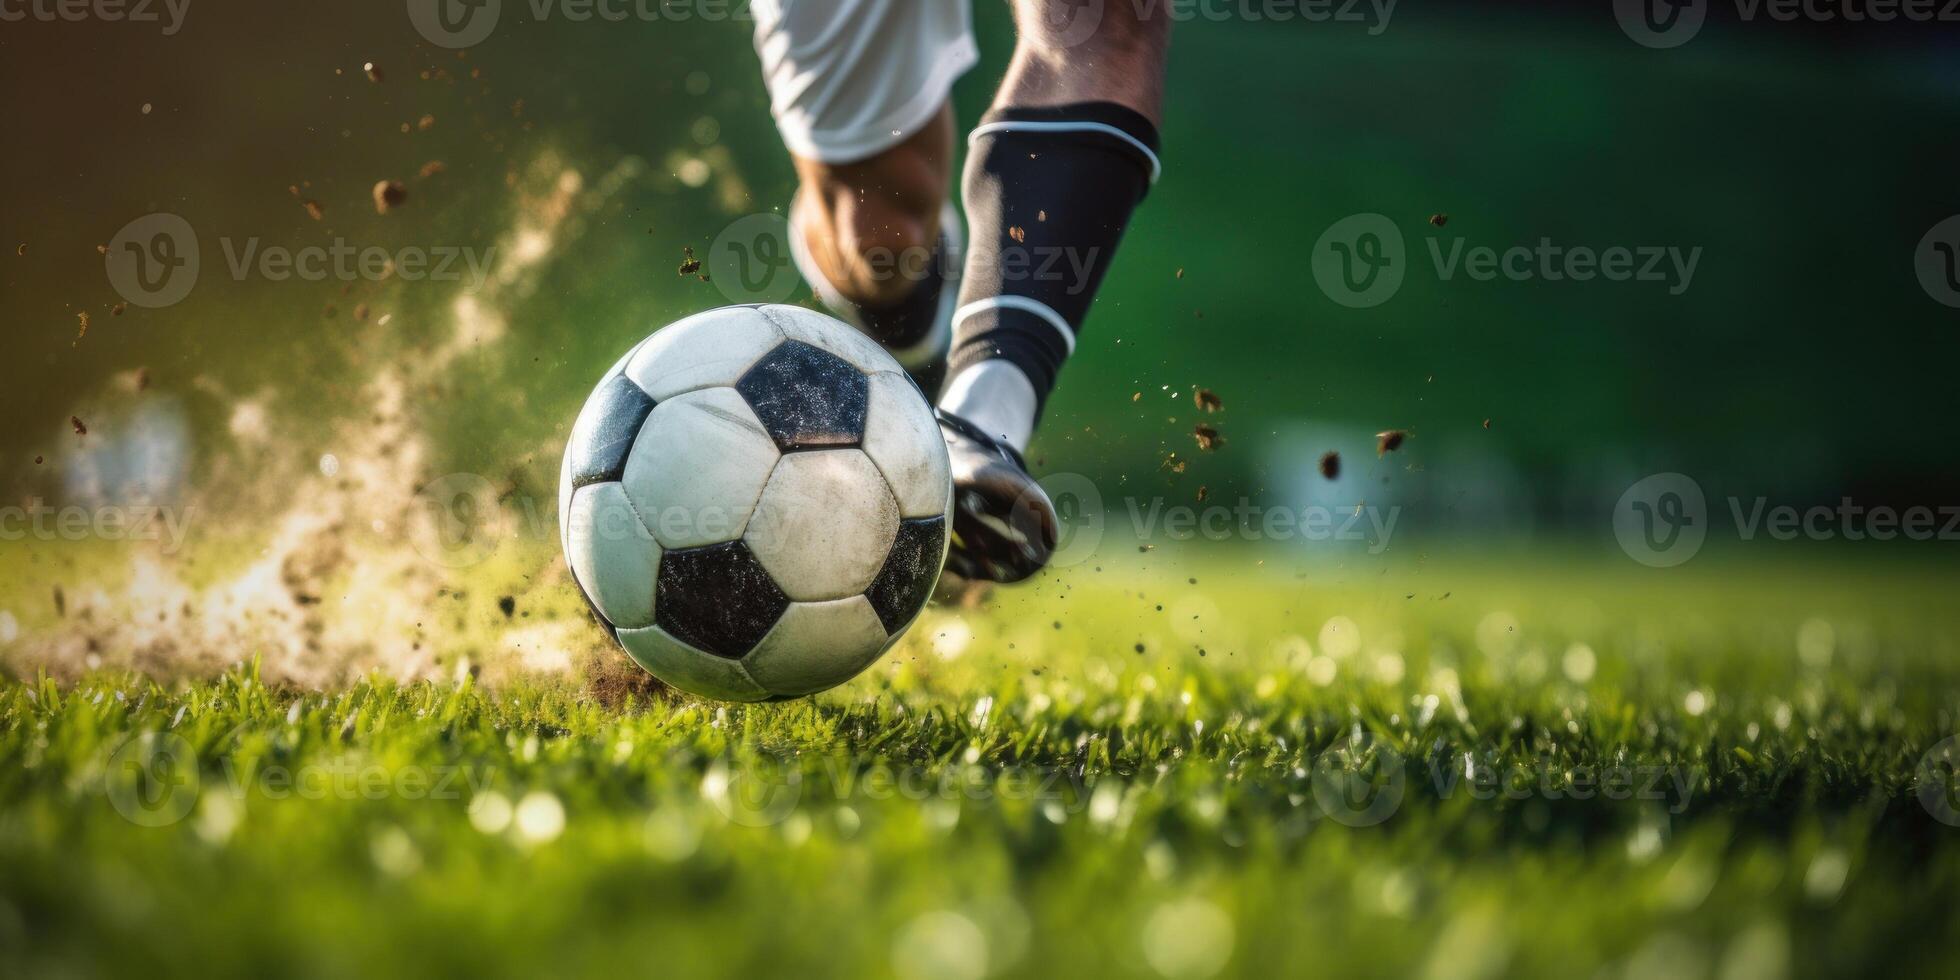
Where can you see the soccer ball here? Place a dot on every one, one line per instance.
(756, 502)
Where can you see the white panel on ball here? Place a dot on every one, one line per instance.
(565, 501)
(612, 553)
(689, 669)
(817, 646)
(698, 468)
(825, 525)
(706, 350)
(902, 438)
(834, 335)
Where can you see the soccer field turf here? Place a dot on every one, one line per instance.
(1687, 774)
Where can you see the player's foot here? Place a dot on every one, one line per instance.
(1004, 525)
(917, 330)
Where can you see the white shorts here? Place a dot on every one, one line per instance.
(850, 78)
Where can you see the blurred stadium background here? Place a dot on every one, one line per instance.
(1803, 363)
(298, 431)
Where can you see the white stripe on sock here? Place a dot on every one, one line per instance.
(1026, 305)
(996, 396)
(1056, 126)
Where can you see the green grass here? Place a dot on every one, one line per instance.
(1040, 801)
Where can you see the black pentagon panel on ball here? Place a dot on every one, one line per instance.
(717, 598)
(605, 431)
(807, 397)
(904, 584)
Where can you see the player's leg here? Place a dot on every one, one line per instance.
(878, 243)
(859, 91)
(1053, 172)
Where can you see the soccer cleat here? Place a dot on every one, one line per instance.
(1004, 525)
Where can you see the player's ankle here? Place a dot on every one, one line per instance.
(889, 259)
(912, 318)
(872, 247)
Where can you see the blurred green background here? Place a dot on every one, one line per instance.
(300, 421)
(1803, 364)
